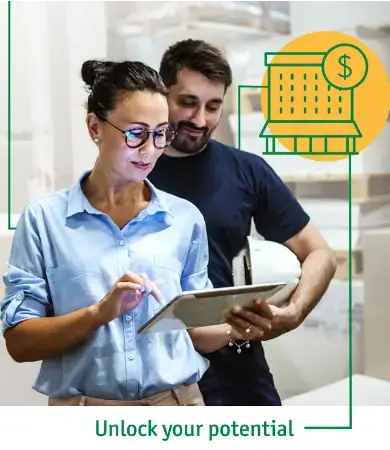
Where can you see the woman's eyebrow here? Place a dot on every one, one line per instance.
(147, 125)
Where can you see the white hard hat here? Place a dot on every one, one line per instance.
(262, 262)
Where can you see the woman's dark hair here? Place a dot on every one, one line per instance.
(107, 81)
(198, 56)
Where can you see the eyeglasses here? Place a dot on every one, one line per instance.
(137, 135)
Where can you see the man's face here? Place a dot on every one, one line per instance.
(195, 107)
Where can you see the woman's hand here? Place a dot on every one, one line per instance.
(248, 324)
(126, 294)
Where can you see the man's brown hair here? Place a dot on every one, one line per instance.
(198, 56)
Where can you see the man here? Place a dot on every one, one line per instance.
(232, 187)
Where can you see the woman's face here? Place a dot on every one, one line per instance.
(135, 115)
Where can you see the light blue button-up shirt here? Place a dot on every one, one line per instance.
(67, 255)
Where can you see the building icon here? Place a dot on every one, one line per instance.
(307, 112)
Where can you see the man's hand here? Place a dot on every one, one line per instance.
(249, 324)
(285, 319)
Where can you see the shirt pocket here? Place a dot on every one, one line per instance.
(167, 270)
(71, 291)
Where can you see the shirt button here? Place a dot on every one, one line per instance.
(132, 395)
(131, 357)
(128, 318)
(121, 242)
(19, 297)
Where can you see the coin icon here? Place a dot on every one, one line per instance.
(345, 66)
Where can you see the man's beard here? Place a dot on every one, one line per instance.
(190, 144)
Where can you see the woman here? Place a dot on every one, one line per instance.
(83, 262)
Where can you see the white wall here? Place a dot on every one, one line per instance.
(307, 17)
(50, 144)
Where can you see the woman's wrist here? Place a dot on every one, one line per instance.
(233, 337)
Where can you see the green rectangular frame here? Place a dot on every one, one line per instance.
(12, 227)
(350, 329)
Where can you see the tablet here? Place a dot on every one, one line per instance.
(206, 307)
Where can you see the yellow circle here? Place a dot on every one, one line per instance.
(345, 66)
(305, 111)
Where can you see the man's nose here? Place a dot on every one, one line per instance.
(199, 119)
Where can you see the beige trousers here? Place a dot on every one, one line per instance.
(186, 395)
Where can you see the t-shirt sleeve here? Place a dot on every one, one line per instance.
(278, 215)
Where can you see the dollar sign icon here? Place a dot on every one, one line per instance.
(345, 66)
(347, 70)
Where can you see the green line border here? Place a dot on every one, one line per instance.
(350, 348)
(10, 227)
(240, 87)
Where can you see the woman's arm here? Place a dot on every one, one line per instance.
(46, 337)
(212, 338)
(42, 338)
(29, 331)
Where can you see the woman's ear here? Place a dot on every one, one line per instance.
(93, 127)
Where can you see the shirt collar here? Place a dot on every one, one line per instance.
(78, 202)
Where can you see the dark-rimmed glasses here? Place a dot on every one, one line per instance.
(138, 134)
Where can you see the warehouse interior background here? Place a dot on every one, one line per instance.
(50, 147)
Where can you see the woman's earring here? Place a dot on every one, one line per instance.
(96, 140)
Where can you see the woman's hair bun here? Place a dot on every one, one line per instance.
(92, 69)
(106, 80)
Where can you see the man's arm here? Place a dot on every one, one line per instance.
(318, 269)
(318, 266)
(279, 217)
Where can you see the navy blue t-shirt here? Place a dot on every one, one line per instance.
(231, 187)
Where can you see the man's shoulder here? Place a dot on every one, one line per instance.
(240, 156)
